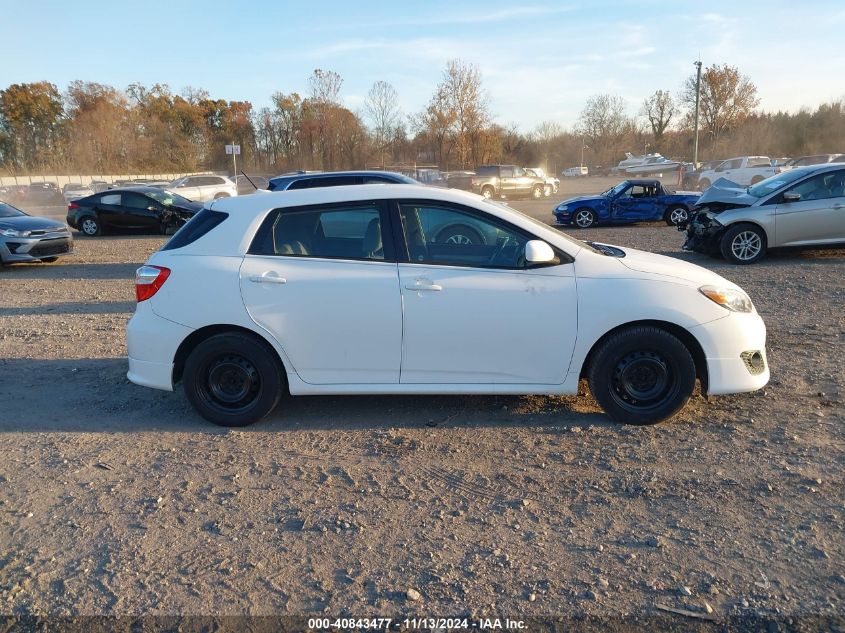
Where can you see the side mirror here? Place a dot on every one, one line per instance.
(791, 196)
(538, 252)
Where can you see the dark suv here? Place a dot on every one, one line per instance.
(312, 179)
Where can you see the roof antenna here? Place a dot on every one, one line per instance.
(250, 181)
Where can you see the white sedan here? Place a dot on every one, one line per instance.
(346, 290)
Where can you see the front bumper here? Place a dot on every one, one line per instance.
(703, 234)
(562, 217)
(33, 249)
(725, 342)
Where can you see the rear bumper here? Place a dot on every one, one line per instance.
(152, 342)
(724, 342)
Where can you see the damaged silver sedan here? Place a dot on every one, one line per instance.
(802, 207)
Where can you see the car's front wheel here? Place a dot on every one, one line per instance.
(743, 244)
(233, 379)
(641, 375)
(460, 234)
(90, 226)
(537, 192)
(584, 218)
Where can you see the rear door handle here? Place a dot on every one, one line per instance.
(424, 284)
(268, 278)
(839, 206)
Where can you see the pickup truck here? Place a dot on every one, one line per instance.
(501, 181)
(743, 170)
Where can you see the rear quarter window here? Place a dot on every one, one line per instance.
(196, 227)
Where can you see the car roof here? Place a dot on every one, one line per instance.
(643, 181)
(138, 189)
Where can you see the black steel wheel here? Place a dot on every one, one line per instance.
(641, 375)
(233, 379)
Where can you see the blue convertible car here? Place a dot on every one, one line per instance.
(629, 201)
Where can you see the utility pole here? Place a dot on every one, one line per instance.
(697, 100)
(235, 161)
(583, 147)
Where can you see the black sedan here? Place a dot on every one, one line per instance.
(130, 208)
(24, 238)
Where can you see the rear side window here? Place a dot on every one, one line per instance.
(487, 171)
(196, 227)
(759, 162)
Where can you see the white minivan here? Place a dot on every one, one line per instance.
(342, 290)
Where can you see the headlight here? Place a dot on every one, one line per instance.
(560, 207)
(733, 300)
(13, 233)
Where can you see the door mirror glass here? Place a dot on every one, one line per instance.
(538, 252)
(791, 196)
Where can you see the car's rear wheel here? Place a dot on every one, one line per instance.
(676, 216)
(743, 244)
(584, 218)
(233, 379)
(90, 226)
(641, 375)
(460, 234)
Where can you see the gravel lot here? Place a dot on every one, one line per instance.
(119, 500)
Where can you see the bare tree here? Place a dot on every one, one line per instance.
(325, 101)
(464, 97)
(545, 134)
(659, 109)
(603, 124)
(382, 108)
(727, 98)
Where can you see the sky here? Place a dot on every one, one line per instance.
(539, 60)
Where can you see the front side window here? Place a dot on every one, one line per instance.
(440, 234)
(335, 232)
(830, 184)
(136, 201)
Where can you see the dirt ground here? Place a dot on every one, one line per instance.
(119, 500)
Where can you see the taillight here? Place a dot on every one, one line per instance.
(71, 206)
(148, 280)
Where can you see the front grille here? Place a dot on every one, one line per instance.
(49, 247)
(754, 362)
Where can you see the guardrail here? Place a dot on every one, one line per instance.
(6, 181)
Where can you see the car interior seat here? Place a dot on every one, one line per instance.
(372, 245)
(414, 234)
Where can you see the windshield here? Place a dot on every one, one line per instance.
(167, 197)
(615, 190)
(8, 211)
(773, 183)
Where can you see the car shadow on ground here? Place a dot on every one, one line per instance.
(94, 395)
(99, 307)
(60, 270)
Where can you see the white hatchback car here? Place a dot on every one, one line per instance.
(344, 290)
(204, 187)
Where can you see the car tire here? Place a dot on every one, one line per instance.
(460, 234)
(676, 216)
(537, 192)
(217, 196)
(641, 375)
(584, 218)
(90, 226)
(743, 244)
(233, 379)
(704, 183)
(487, 192)
(547, 191)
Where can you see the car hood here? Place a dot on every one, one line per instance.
(30, 223)
(726, 191)
(671, 267)
(569, 201)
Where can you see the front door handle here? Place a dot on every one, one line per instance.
(424, 284)
(839, 206)
(268, 278)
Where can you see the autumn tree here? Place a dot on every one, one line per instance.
(382, 108)
(30, 119)
(659, 109)
(727, 98)
(97, 127)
